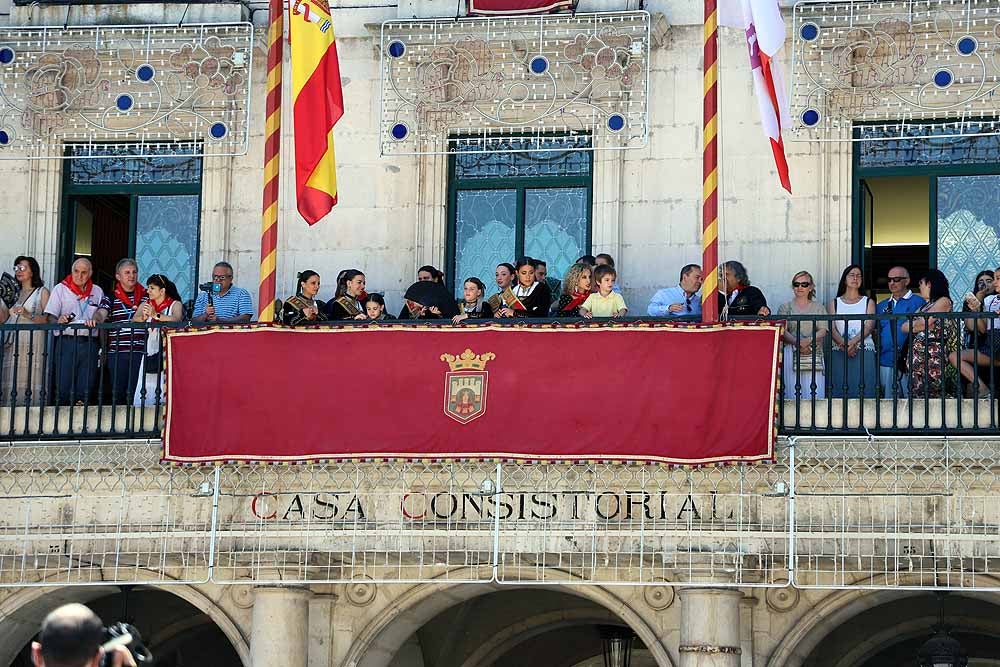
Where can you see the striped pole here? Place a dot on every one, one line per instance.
(710, 169)
(272, 163)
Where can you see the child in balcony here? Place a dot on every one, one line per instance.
(605, 302)
(472, 303)
(375, 307)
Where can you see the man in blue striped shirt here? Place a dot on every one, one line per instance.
(230, 305)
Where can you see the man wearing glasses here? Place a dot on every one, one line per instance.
(892, 340)
(230, 305)
(680, 300)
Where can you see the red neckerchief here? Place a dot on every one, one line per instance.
(81, 294)
(362, 298)
(138, 292)
(575, 302)
(167, 302)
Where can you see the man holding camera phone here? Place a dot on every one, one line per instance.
(226, 304)
(76, 302)
(72, 636)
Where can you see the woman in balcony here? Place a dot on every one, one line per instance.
(163, 305)
(24, 351)
(802, 368)
(504, 278)
(982, 287)
(974, 363)
(853, 364)
(303, 307)
(934, 339)
(348, 301)
(576, 288)
(472, 303)
(531, 298)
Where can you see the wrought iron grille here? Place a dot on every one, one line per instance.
(135, 86)
(483, 81)
(909, 67)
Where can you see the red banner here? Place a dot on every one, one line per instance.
(685, 394)
(508, 7)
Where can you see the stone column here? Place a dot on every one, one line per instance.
(710, 627)
(280, 627)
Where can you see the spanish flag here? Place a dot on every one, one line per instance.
(318, 105)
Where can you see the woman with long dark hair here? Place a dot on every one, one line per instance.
(303, 307)
(504, 276)
(982, 287)
(933, 340)
(24, 351)
(853, 363)
(530, 298)
(348, 301)
(163, 305)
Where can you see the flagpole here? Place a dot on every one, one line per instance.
(272, 164)
(710, 168)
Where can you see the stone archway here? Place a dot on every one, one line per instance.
(840, 606)
(21, 613)
(378, 643)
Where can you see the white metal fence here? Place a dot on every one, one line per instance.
(890, 513)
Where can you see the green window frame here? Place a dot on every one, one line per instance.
(529, 190)
(146, 182)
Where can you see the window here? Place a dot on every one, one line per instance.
(116, 205)
(507, 205)
(927, 203)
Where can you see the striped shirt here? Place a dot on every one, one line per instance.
(232, 304)
(124, 338)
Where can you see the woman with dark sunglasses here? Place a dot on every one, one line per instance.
(802, 369)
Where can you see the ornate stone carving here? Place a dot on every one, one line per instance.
(361, 591)
(782, 599)
(659, 597)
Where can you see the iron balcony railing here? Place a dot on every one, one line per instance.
(886, 374)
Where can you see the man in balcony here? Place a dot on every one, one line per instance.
(229, 304)
(76, 300)
(126, 344)
(892, 340)
(681, 300)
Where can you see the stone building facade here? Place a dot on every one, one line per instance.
(879, 524)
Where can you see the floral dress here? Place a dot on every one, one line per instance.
(931, 376)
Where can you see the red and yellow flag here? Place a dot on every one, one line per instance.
(318, 102)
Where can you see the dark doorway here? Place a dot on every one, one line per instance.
(100, 229)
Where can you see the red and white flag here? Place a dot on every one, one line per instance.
(765, 32)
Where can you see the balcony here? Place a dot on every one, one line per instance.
(824, 391)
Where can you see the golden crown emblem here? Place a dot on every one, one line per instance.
(468, 360)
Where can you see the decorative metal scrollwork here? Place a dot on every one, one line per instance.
(895, 65)
(539, 77)
(148, 85)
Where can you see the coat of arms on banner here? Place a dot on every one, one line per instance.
(465, 385)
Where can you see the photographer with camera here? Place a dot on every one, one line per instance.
(73, 636)
(222, 302)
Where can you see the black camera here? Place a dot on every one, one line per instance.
(124, 634)
(206, 287)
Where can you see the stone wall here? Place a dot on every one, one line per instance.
(391, 215)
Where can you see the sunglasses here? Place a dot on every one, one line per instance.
(798, 284)
(18, 269)
(897, 279)
(220, 278)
